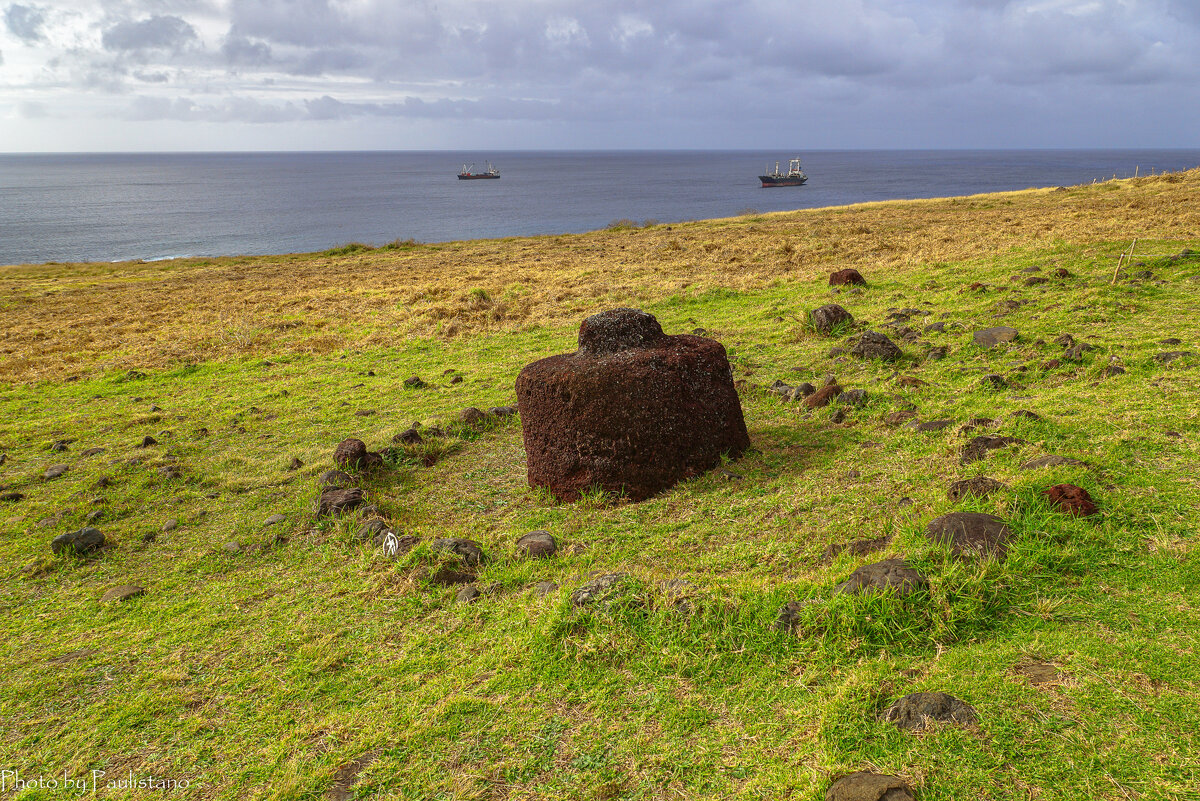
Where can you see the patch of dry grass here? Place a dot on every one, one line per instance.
(71, 319)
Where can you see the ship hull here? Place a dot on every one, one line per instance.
(771, 180)
(475, 177)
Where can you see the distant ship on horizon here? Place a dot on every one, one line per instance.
(793, 177)
(468, 172)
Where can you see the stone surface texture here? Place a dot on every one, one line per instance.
(632, 411)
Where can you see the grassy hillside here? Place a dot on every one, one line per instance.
(290, 659)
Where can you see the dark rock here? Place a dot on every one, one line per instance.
(1171, 341)
(273, 519)
(1035, 280)
(335, 501)
(977, 448)
(467, 551)
(55, 471)
(392, 544)
(364, 413)
(80, 542)
(856, 547)
(147, 441)
(838, 416)
(822, 396)
(414, 382)
(468, 594)
(501, 411)
(1052, 460)
(1025, 414)
(606, 590)
(847, 277)
(830, 316)
(836, 351)
(890, 575)
(59, 446)
(471, 416)
(937, 354)
(170, 471)
(1072, 499)
(916, 711)
(11, 497)
(990, 337)
(801, 391)
(122, 592)
(372, 529)
(408, 437)
(899, 418)
(1051, 364)
(935, 328)
(994, 381)
(456, 379)
(633, 410)
(853, 397)
(874, 345)
(537, 545)
(1065, 340)
(335, 479)
(931, 426)
(92, 451)
(911, 382)
(980, 487)
(1112, 370)
(353, 454)
(1063, 272)
(1172, 355)
(971, 534)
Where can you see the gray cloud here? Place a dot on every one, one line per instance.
(155, 33)
(25, 22)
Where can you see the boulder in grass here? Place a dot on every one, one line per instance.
(990, 337)
(847, 277)
(864, 785)
(979, 487)
(823, 396)
(874, 345)
(632, 411)
(972, 534)
(890, 575)
(537, 545)
(916, 711)
(1072, 499)
(334, 501)
(978, 448)
(828, 317)
(352, 454)
(83, 541)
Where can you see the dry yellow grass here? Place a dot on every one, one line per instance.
(72, 319)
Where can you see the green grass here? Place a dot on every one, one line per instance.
(262, 673)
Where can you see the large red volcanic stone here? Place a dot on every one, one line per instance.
(632, 411)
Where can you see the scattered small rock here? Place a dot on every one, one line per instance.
(468, 594)
(232, 547)
(971, 534)
(170, 525)
(916, 711)
(900, 417)
(1025, 414)
(604, 590)
(273, 519)
(414, 382)
(892, 575)
(931, 426)
(979, 487)
(938, 353)
(1072, 499)
(92, 451)
(352, 453)
(408, 437)
(822, 396)
(295, 464)
(55, 471)
(335, 479)
(471, 416)
(1172, 355)
(856, 547)
(994, 381)
(147, 441)
(11, 497)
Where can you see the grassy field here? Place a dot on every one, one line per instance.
(290, 660)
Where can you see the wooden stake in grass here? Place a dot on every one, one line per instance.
(1128, 255)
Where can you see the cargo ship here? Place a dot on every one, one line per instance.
(468, 172)
(793, 177)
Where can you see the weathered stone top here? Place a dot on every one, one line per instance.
(616, 330)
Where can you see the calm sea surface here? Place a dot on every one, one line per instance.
(153, 206)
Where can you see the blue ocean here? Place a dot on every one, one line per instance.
(106, 207)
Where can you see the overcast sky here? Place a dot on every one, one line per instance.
(410, 74)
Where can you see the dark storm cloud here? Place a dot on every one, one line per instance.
(155, 33)
(25, 22)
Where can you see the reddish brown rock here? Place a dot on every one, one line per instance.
(867, 786)
(823, 396)
(849, 276)
(1072, 500)
(633, 410)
